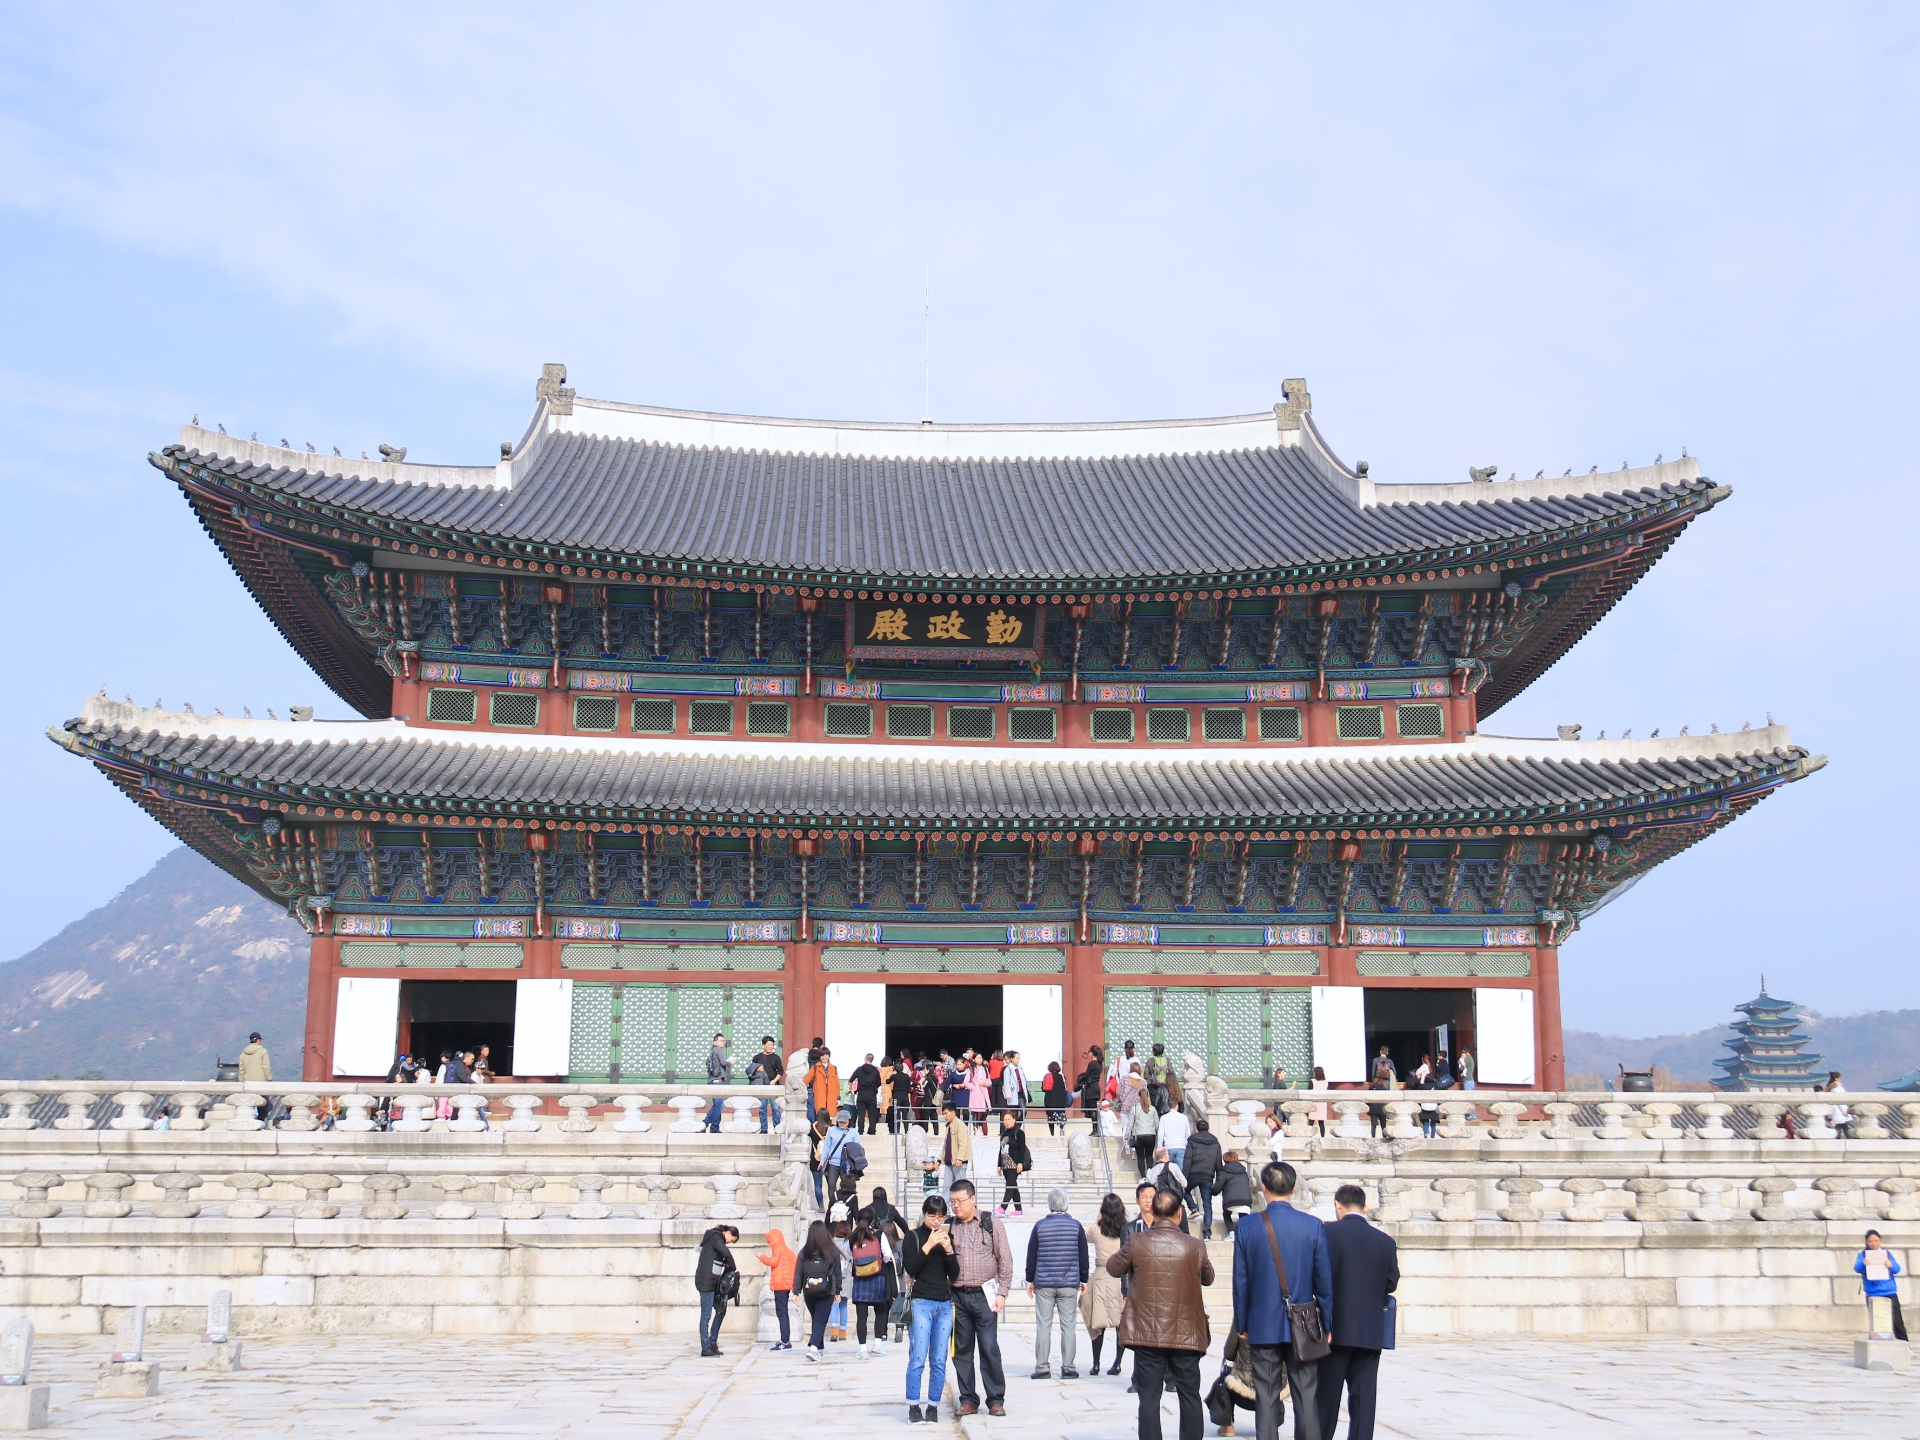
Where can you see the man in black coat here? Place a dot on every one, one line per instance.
(1203, 1164)
(866, 1096)
(1366, 1270)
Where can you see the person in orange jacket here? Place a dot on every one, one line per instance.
(779, 1261)
(824, 1080)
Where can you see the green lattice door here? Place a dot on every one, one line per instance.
(1242, 1033)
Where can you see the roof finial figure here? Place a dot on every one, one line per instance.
(1627, 734)
(1686, 729)
(283, 443)
(1483, 475)
(393, 453)
(196, 419)
(1683, 453)
(310, 449)
(223, 426)
(1288, 413)
(1769, 719)
(336, 450)
(553, 389)
(1568, 471)
(247, 710)
(1539, 474)
(1656, 733)
(1661, 456)
(1594, 471)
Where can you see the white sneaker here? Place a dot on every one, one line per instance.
(812, 1354)
(879, 1347)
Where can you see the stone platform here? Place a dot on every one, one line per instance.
(657, 1389)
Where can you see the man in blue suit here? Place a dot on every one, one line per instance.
(1260, 1310)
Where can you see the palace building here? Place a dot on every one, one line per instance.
(1021, 736)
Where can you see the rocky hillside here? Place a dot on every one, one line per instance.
(176, 967)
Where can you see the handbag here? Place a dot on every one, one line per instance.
(1387, 1323)
(1308, 1324)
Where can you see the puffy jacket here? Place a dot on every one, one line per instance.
(779, 1260)
(1203, 1156)
(1057, 1252)
(714, 1260)
(254, 1063)
(1235, 1185)
(1165, 1309)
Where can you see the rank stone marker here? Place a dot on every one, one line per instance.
(215, 1351)
(126, 1376)
(23, 1405)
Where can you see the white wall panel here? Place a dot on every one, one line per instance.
(542, 1027)
(366, 1026)
(1340, 1031)
(1503, 1029)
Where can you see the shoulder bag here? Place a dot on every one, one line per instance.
(1308, 1324)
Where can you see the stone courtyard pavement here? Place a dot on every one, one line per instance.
(545, 1389)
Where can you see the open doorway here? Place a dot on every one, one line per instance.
(932, 1018)
(448, 1015)
(1417, 1024)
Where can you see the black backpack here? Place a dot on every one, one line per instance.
(815, 1276)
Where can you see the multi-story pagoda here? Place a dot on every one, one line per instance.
(1767, 1049)
(1023, 736)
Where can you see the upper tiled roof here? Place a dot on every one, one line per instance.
(1062, 503)
(388, 763)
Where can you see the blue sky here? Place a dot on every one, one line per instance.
(1530, 236)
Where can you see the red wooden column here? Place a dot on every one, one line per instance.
(805, 996)
(1342, 966)
(316, 1051)
(1546, 1006)
(1086, 1005)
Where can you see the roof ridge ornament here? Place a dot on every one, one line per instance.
(1288, 414)
(553, 389)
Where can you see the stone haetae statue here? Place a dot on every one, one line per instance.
(1080, 1157)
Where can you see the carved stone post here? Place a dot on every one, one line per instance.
(523, 1206)
(18, 1102)
(386, 1203)
(1841, 1192)
(1713, 1115)
(1866, 1121)
(243, 1117)
(176, 1186)
(1462, 1202)
(1321, 1187)
(1396, 1201)
(657, 1207)
(1713, 1206)
(300, 1118)
(316, 1206)
(103, 1195)
(1506, 1121)
(1766, 1120)
(744, 1110)
(356, 1113)
(579, 1120)
(1454, 1115)
(633, 1120)
(37, 1206)
(190, 1104)
(1585, 1191)
(1401, 1124)
(416, 1111)
(453, 1207)
(1353, 1122)
(1660, 1117)
(687, 1112)
(78, 1103)
(467, 1106)
(1910, 1114)
(524, 1121)
(1613, 1121)
(1522, 1188)
(1900, 1193)
(1813, 1121)
(1773, 1191)
(1560, 1124)
(724, 1206)
(246, 1203)
(1648, 1193)
(133, 1111)
(1298, 1126)
(589, 1207)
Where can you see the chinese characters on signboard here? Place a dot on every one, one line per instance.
(908, 628)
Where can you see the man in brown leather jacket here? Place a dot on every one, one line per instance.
(1165, 1322)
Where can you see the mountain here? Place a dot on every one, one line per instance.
(173, 970)
(1866, 1049)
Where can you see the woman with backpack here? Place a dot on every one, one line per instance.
(779, 1261)
(1015, 1159)
(871, 1291)
(717, 1279)
(1235, 1187)
(932, 1267)
(816, 1276)
(1055, 1096)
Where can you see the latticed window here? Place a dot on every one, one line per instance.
(1026, 724)
(596, 712)
(1279, 724)
(970, 722)
(1421, 722)
(1360, 722)
(453, 707)
(910, 722)
(653, 717)
(1167, 724)
(1223, 724)
(768, 717)
(710, 717)
(1112, 725)
(849, 721)
(514, 709)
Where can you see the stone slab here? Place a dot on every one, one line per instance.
(23, 1407)
(1896, 1355)
(127, 1380)
(220, 1357)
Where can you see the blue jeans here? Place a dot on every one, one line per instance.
(1179, 1159)
(819, 1190)
(930, 1336)
(711, 1313)
(1430, 1124)
(769, 1110)
(1204, 1189)
(713, 1114)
